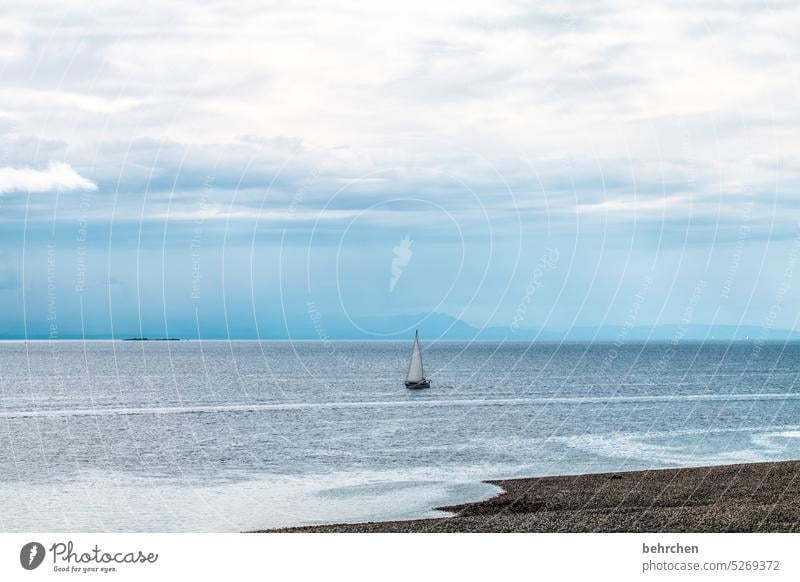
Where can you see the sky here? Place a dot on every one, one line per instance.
(324, 169)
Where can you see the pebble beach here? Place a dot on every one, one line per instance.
(752, 497)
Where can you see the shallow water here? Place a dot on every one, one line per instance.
(229, 436)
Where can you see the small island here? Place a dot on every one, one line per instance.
(148, 339)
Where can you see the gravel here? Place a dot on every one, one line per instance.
(753, 497)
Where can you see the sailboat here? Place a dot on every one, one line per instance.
(416, 376)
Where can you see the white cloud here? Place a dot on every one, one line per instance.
(700, 92)
(54, 100)
(659, 204)
(217, 213)
(57, 176)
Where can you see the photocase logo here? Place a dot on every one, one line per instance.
(31, 555)
(402, 256)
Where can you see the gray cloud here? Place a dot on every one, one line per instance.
(604, 110)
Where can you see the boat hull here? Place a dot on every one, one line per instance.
(416, 385)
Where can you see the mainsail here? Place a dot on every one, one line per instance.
(415, 373)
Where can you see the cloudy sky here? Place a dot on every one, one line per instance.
(300, 168)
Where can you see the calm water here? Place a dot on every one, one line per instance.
(219, 436)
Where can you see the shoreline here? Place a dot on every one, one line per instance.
(747, 497)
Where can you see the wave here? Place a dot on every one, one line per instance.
(475, 402)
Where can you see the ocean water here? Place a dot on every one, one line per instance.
(232, 436)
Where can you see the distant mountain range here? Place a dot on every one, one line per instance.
(447, 327)
(443, 326)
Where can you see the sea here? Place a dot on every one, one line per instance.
(227, 436)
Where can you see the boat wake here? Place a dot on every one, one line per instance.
(472, 402)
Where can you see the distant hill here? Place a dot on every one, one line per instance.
(673, 332)
(436, 326)
(447, 327)
(443, 326)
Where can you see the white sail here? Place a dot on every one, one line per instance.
(415, 372)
